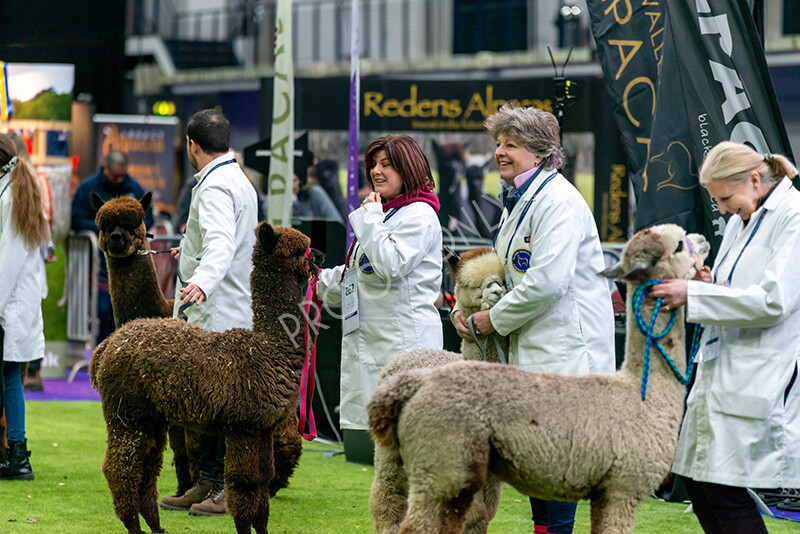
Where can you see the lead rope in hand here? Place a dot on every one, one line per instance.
(309, 363)
(482, 346)
(652, 338)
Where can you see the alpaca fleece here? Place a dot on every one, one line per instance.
(550, 436)
(136, 294)
(480, 284)
(155, 372)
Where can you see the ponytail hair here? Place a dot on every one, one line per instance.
(27, 215)
(735, 161)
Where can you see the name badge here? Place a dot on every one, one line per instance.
(350, 319)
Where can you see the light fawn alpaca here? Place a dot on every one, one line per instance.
(550, 436)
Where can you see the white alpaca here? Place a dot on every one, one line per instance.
(479, 285)
(550, 436)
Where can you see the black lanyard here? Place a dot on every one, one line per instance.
(755, 229)
(524, 212)
(354, 245)
(218, 165)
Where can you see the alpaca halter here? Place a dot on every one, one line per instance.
(651, 337)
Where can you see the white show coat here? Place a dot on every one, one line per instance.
(559, 314)
(24, 285)
(217, 247)
(742, 426)
(399, 275)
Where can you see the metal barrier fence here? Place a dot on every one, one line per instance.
(83, 264)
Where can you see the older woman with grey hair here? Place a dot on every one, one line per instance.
(557, 312)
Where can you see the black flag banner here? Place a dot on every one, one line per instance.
(629, 42)
(713, 85)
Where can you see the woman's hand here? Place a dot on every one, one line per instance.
(703, 275)
(480, 322)
(673, 292)
(372, 197)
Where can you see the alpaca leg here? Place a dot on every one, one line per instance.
(613, 513)
(484, 506)
(443, 477)
(181, 459)
(287, 445)
(389, 492)
(267, 468)
(122, 468)
(246, 479)
(148, 493)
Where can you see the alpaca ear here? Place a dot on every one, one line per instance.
(267, 238)
(97, 202)
(639, 272)
(145, 200)
(451, 257)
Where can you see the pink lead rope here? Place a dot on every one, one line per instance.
(307, 377)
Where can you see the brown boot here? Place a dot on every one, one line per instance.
(193, 495)
(214, 503)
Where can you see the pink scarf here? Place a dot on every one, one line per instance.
(418, 195)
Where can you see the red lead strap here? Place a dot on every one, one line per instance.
(309, 364)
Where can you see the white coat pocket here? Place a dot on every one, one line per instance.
(746, 382)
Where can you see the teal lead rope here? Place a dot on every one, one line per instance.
(652, 338)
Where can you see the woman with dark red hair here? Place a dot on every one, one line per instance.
(393, 272)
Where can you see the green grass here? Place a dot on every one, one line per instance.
(327, 495)
(55, 316)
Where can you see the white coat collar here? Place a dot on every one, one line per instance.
(213, 163)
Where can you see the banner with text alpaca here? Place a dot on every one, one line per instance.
(684, 75)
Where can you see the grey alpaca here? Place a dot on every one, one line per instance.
(550, 436)
(480, 283)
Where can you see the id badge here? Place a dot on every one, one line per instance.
(709, 345)
(350, 319)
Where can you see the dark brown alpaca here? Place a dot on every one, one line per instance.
(154, 372)
(136, 294)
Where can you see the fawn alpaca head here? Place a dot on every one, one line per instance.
(658, 253)
(121, 224)
(480, 280)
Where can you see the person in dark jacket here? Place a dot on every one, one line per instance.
(111, 181)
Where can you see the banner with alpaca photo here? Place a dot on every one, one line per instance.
(685, 75)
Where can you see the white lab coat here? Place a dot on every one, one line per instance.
(395, 302)
(742, 425)
(217, 247)
(558, 312)
(23, 288)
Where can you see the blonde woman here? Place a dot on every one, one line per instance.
(742, 424)
(22, 231)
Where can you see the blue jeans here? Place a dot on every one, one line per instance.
(558, 516)
(14, 401)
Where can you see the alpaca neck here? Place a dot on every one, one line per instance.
(277, 299)
(134, 288)
(660, 375)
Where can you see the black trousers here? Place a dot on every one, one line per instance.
(211, 457)
(724, 509)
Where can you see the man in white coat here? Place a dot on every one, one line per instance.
(214, 265)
